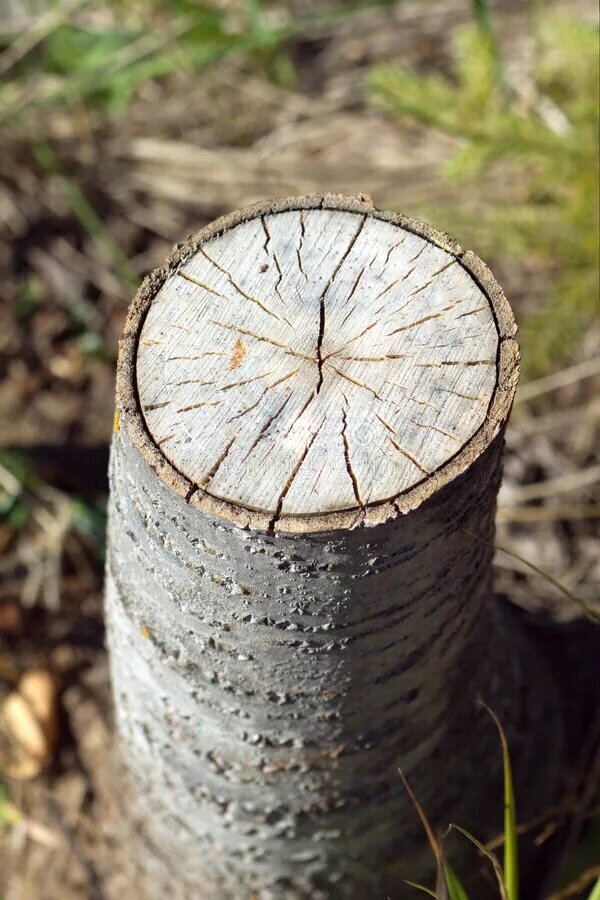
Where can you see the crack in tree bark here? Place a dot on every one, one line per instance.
(385, 424)
(320, 360)
(351, 341)
(475, 397)
(228, 387)
(152, 406)
(268, 388)
(263, 431)
(457, 362)
(242, 292)
(419, 253)
(472, 312)
(424, 403)
(409, 456)
(435, 428)
(302, 411)
(320, 337)
(433, 277)
(351, 472)
(290, 481)
(392, 284)
(415, 324)
(284, 378)
(267, 235)
(279, 277)
(261, 337)
(391, 250)
(189, 381)
(273, 256)
(411, 398)
(199, 405)
(395, 312)
(360, 384)
(248, 409)
(199, 356)
(300, 243)
(202, 284)
(372, 358)
(217, 464)
(351, 294)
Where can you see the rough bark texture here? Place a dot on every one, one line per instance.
(271, 679)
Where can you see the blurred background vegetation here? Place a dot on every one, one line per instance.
(545, 137)
(126, 124)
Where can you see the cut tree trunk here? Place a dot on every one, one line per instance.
(312, 396)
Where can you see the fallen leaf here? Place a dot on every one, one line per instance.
(29, 725)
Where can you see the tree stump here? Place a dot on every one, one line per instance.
(312, 396)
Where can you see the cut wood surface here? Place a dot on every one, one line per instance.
(309, 361)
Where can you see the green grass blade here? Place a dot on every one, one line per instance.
(482, 14)
(595, 895)
(591, 613)
(455, 889)
(511, 851)
(422, 888)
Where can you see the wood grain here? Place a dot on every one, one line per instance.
(308, 361)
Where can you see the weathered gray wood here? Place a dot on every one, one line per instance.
(324, 336)
(271, 678)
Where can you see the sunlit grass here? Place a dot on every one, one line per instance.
(545, 149)
(448, 883)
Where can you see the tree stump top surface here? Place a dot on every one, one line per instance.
(315, 363)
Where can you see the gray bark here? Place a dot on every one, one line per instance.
(269, 685)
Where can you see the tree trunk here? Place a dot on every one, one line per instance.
(311, 404)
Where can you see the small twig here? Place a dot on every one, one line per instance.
(556, 813)
(550, 488)
(552, 421)
(562, 513)
(572, 375)
(576, 887)
(588, 610)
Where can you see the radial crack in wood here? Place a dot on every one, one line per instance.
(217, 325)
